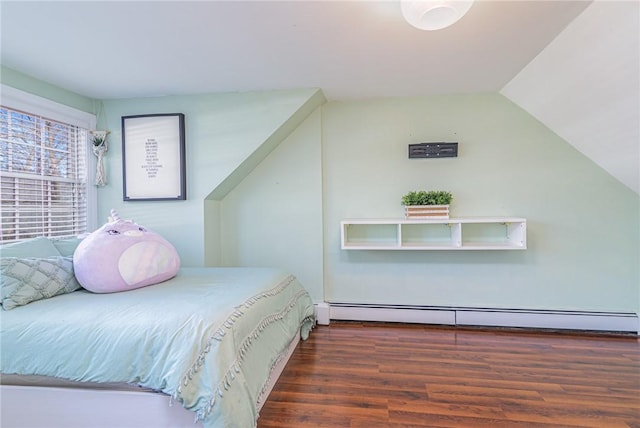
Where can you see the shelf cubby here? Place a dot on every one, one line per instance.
(478, 233)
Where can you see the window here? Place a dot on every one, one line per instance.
(43, 176)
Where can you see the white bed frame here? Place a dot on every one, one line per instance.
(52, 407)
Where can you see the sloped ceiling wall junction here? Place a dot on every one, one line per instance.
(585, 86)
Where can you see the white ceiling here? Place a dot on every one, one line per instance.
(349, 49)
(590, 96)
(356, 49)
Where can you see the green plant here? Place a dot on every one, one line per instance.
(98, 140)
(432, 197)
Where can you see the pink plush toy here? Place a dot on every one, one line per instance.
(122, 256)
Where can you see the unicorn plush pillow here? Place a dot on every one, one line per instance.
(123, 255)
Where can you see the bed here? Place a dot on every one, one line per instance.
(210, 340)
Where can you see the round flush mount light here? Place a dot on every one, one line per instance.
(434, 15)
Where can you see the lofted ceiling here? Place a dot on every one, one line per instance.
(357, 49)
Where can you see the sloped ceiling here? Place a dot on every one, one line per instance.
(348, 49)
(585, 86)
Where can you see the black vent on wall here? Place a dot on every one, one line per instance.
(433, 150)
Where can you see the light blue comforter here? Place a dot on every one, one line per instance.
(208, 337)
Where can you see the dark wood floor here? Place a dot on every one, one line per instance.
(378, 375)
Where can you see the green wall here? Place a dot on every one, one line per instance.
(274, 216)
(583, 228)
(222, 131)
(349, 160)
(26, 83)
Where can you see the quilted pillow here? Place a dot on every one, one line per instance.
(25, 280)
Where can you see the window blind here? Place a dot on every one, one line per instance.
(43, 179)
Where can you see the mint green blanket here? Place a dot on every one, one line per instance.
(208, 337)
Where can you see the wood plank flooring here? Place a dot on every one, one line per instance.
(375, 375)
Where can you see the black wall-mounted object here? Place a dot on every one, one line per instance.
(433, 150)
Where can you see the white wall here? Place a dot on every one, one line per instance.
(582, 223)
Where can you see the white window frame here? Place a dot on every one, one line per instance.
(24, 101)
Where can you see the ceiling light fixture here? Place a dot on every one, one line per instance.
(434, 14)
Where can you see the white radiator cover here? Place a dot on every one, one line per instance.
(570, 320)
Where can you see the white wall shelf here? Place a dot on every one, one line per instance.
(473, 233)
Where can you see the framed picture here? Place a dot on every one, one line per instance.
(153, 157)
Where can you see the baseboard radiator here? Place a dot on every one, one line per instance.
(540, 319)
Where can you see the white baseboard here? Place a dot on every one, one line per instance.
(407, 315)
(591, 321)
(596, 321)
(322, 311)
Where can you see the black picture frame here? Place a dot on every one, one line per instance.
(153, 157)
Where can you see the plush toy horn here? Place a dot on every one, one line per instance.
(114, 215)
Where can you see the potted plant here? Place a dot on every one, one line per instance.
(99, 140)
(433, 204)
